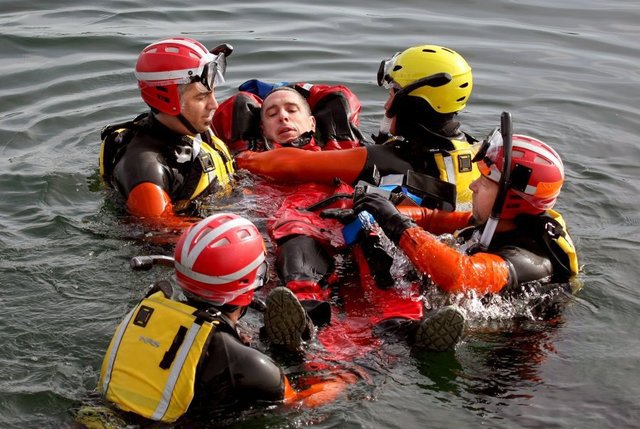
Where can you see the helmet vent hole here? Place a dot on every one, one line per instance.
(540, 160)
(396, 68)
(464, 85)
(429, 51)
(171, 49)
(515, 153)
(448, 50)
(243, 233)
(461, 99)
(220, 243)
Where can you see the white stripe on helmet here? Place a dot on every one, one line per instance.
(188, 256)
(218, 280)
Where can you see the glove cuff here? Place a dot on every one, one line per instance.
(396, 226)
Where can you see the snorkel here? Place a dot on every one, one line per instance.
(434, 81)
(490, 227)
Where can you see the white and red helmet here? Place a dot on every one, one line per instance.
(537, 175)
(221, 260)
(165, 64)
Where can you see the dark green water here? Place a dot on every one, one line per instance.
(567, 71)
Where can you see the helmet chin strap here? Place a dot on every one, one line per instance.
(187, 124)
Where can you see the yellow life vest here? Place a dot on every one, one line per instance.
(455, 167)
(150, 365)
(217, 163)
(213, 163)
(562, 238)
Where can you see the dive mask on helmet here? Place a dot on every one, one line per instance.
(487, 155)
(213, 71)
(385, 80)
(384, 72)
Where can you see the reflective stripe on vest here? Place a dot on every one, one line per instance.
(176, 369)
(172, 341)
(221, 166)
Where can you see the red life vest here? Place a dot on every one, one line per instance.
(336, 109)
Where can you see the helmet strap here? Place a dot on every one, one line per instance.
(187, 124)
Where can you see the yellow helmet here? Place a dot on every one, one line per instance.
(436, 74)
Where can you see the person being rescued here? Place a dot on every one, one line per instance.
(166, 160)
(194, 358)
(428, 86)
(306, 242)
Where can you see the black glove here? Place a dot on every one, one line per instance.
(344, 216)
(385, 213)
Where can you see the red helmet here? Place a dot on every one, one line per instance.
(163, 65)
(537, 175)
(221, 260)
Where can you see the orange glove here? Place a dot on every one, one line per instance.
(451, 270)
(298, 165)
(320, 392)
(153, 205)
(437, 221)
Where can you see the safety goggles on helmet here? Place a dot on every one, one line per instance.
(487, 155)
(385, 80)
(384, 72)
(209, 72)
(490, 164)
(213, 72)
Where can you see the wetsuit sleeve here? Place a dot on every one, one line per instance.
(451, 270)
(526, 266)
(139, 165)
(437, 221)
(386, 159)
(298, 165)
(238, 373)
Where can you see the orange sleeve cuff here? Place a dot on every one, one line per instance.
(149, 200)
(451, 270)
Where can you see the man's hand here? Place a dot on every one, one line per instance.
(385, 213)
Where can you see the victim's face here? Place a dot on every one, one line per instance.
(285, 117)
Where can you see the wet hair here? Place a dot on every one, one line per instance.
(303, 101)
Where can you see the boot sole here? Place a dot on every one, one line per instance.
(441, 331)
(284, 320)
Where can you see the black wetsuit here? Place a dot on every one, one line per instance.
(150, 152)
(398, 156)
(234, 375)
(531, 254)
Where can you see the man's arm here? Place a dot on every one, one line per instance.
(297, 165)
